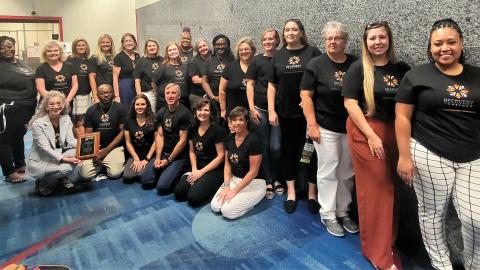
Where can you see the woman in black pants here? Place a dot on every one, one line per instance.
(283, 93)
(206, 157)
(17, 105)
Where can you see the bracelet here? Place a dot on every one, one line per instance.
(225, 185)
(168, 160)
(147, 158)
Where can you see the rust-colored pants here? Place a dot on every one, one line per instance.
(375, 190)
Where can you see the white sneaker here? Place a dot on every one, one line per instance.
(100, 177)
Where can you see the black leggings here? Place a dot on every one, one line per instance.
(202, 189)
(12, 148)
(293, 131)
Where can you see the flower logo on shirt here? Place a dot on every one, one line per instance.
(60, 78)
(294, 60)
(155, 66)
(220, 66)
(110, 62)
(168, 123)
(178, 72)
(234, 158)
(390, 80)
(339, 75)
(83, 67)
(183, 59)
(199, 146)
(458, 91)
(139, 135)
(244, 82)
(104, 117)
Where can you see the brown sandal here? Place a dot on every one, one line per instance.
(14, 178)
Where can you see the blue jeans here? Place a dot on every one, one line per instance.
(164, 178)
(270, 138)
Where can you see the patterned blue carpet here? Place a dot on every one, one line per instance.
(116, 226)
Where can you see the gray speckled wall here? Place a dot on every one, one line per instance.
(410, 20)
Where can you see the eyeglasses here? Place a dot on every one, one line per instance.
(376, 24)
(329, 39)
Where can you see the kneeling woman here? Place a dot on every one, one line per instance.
(241, 191)
(139, 132)
(53, 149)
(206, 157)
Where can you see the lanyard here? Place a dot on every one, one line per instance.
(2, 112)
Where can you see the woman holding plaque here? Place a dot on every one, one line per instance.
(52, 159)
(139, 132)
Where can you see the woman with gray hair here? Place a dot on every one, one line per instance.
(326, 118)
(54, 73)
(233, 84)
(196, 68)
(52, 159)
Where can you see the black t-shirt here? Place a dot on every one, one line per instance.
(186, 57)
(446, 119)
(324, 77)
(56, 130)
(60, 81)
(141, 137)
(17, 82)
(286, 72)
(172, 123)
(239, 157)
(237, 85)
(103, 71)
(204, 145)
(107, 121)
(213, 70)
(258, 71)
(196, 67)
(82, 68)
(173, 74)
(127, 65)
(387, 79)
(146, 70)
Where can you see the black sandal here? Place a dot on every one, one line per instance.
(279, 189)
(269, 194)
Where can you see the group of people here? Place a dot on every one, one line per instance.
(370, 118)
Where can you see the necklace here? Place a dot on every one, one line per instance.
(105, 115)
(220, 66)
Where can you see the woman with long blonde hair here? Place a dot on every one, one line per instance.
(102, 66)
(81, 102)
(369, 89)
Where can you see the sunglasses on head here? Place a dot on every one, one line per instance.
(376, 24)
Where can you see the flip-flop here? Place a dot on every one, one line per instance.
(269, 193)
(279, 189)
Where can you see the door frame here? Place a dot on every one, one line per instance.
(29, 19)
